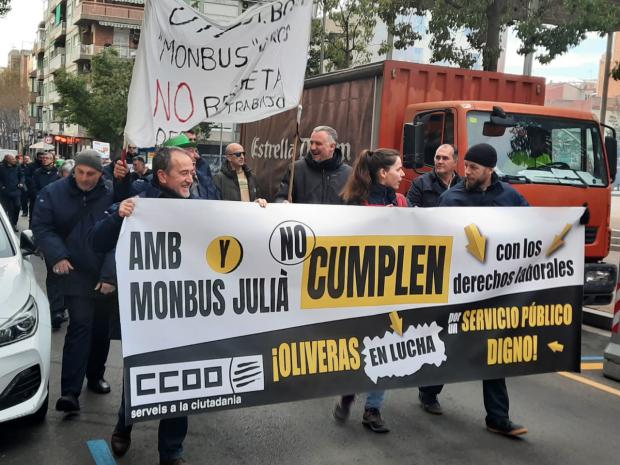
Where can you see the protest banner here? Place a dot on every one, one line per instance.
(102, 147)
(190, 68)
(317, 300)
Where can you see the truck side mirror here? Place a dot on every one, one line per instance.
(611, 147)
(418, 143)
(408, 146)
(413, 145)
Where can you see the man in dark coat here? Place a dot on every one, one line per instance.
(426, 189)
(63, 218)
(45, 174)
(482, 188)
(11, 186)
(424, 192)
(172, 179)
(321, 175)
(236, 180)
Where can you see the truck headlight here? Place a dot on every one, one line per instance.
(21, 325)
(598, 276)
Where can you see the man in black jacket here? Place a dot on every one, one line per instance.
(65, 213)
(321, 175)
(426, 189)
(172, 178)
(482, 188)
(236, 180)
(11, 185)
(44, 175)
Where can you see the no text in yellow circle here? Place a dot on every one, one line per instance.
(224, 254)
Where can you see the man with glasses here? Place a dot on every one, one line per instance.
(236, 180)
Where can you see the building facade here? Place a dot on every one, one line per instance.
(71, 34)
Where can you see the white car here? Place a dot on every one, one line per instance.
(25, 331)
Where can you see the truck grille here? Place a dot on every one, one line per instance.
(591, 234)
(23, 387)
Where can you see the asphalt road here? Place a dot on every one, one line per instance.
(570, 422)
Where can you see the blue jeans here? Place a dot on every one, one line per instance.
(374, 399)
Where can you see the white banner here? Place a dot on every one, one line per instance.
(190, 68)
(192, 272)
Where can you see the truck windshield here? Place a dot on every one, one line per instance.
(543, 150)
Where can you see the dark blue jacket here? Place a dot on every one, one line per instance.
(425, 190)
(105, 233)
(62, 222)
(10, 179)
(498, 194)
(42, 177)
(206, 187)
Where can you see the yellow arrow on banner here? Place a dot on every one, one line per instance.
(397, 323)
(477, 242)
(556, 346)
(558, 240)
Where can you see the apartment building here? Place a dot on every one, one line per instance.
(72, 32)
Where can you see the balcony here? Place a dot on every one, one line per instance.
(58, 31)
(33, 97)
(57, 62)
(91, 11)
(53, 96)
(38, 47)
(87, 52)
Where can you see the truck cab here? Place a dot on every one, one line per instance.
(553, 156)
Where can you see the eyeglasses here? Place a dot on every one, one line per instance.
(237, 154)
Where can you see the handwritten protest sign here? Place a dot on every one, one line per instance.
(190, 68)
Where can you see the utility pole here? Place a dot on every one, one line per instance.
(610, 41)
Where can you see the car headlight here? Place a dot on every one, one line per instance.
(21, 325)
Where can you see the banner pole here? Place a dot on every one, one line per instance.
(294, 157)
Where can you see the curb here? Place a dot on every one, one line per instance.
(596, 318)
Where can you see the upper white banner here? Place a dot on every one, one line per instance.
(190, 68)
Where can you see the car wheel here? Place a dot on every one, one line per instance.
(41, 413)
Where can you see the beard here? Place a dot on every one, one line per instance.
(472, 185)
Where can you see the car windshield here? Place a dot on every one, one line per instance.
(543, 150)
(6, 248)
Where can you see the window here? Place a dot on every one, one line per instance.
(438, 130)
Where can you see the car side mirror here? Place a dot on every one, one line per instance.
(27, 244)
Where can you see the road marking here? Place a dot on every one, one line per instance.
(592, 358)
(589, 382)
(592, 366)
(101, 452)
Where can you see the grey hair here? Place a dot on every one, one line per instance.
(162, 158)
(331, 132)
(67, 166)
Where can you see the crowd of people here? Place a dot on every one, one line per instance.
(77, 210)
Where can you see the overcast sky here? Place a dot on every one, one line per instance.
(18, 30)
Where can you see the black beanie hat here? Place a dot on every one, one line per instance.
(89, 158)
(483, 154)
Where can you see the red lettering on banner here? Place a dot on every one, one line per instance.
(191, 102)
(159, 92)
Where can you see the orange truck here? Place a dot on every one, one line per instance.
(553, 156)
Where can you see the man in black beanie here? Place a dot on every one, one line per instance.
(481, 187)
(65, 213)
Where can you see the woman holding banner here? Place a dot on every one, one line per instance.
(374, 181)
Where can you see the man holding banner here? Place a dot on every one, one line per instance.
(481, 187)
(172, 176)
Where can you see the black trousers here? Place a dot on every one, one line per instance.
(25, 200)
(170, 434)
(11, 206)
(86, 343)
(54, 293)
(494, 393)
